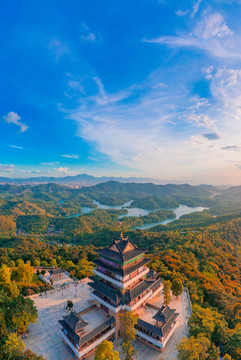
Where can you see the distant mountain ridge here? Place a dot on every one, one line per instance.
(115, 187)
(83, 179)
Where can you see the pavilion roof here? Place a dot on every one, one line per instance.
(121, 250)
(165, 316)
(75, 321)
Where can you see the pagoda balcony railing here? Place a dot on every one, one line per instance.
(118, 283)
(80, 353)
(153, 341)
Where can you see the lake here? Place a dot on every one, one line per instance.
(181, 210)
(85, 210)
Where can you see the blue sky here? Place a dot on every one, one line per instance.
(145, 88)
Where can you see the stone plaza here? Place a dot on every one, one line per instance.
(45, 339)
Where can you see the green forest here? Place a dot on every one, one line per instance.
(203, 249)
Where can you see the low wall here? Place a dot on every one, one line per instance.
(189, 300)
(49, 292)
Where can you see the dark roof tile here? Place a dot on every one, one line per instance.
(74, 321)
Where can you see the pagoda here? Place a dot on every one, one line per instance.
(123, 282)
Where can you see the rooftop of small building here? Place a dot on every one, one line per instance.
(75, 321)
(90, 321)
(56, 271)
(149, 316)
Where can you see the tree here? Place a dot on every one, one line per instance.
(11, 264)
(19, 262)
(23, 273)
(29, 355)
(22, 312)
(233, 347)
(193, 348)
(227, 357)
(177, 287)
(11, 289)
(7, 225)
(85, 268)
(129, 320)
(53, 263)
(210, 323)
(6, 284)
(70, 304)
(5, 275)
(214, 353)
(36, 263)
(13, 347)
(105, 351)
(3, 327)
(167, 292)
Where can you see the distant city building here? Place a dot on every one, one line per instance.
(122, 283)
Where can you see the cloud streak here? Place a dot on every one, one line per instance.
(73, 156)
(14, 118)
(7, 168)
(211, 34)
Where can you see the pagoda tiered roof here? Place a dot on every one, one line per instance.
(112, 294)
(130, 295)
(122, 272)
(121, 250)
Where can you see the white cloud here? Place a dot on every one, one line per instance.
(50, 163)
(192, 12)
(200, 120)
(226, 86)
(211, 34)
(130, 133)
(147, 127)
(182, 12)
(87, 35)
(73, 156)
(16, 147)
(7, 168)
(195, 8)
(34, 172)
(62, 170)
(212, 25)
(58, 48)
(14, 118)
(202, 141)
